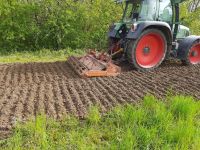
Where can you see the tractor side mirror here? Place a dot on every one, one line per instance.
(135, 15)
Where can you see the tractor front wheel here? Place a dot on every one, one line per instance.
(148, 51)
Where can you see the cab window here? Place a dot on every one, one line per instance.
(165, 11)
(148, 10)
(132, 12)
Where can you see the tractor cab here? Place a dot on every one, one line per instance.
(148, 10)
(137, 11)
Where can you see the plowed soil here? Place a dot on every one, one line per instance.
(54, 88)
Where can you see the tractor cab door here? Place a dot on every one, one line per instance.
(148, 10)
(165, 11)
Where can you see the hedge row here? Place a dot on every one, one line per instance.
(53, 24)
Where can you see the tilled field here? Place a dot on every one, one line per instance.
(53, 88)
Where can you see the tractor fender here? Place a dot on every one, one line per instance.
(185, 45)
(141, 26)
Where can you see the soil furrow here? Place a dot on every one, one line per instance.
(67, 100)
(108, 98)
(50, 101)
(76, 99)
(17, 107)
(99, 98)
(59, 105)
(26, 98)
(82, 88)
(55, 89)
(114, 89)
(30, 102)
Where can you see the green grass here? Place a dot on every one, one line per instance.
(153, 124)
(38, 56)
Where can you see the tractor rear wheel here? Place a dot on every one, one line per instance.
(193, 56)
(148, 51)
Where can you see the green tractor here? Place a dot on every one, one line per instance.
(148, 33)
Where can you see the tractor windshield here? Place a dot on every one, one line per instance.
(140, 11)
(131, 12)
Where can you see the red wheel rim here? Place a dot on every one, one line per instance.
(150, 50)
(194, 55)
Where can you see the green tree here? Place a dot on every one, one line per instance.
(32, 24)
(191, 17)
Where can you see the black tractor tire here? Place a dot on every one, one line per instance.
(188, 61)
(133, 44)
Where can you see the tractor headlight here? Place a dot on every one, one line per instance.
(133, 27)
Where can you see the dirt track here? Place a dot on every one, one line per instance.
(26, 89)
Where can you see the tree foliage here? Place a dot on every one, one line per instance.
(190, 13)
(58, 24)
(32, 24)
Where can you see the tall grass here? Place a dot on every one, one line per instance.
(43, 55)
(153, 124)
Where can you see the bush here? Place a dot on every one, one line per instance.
(50, 24)
(55, 24)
